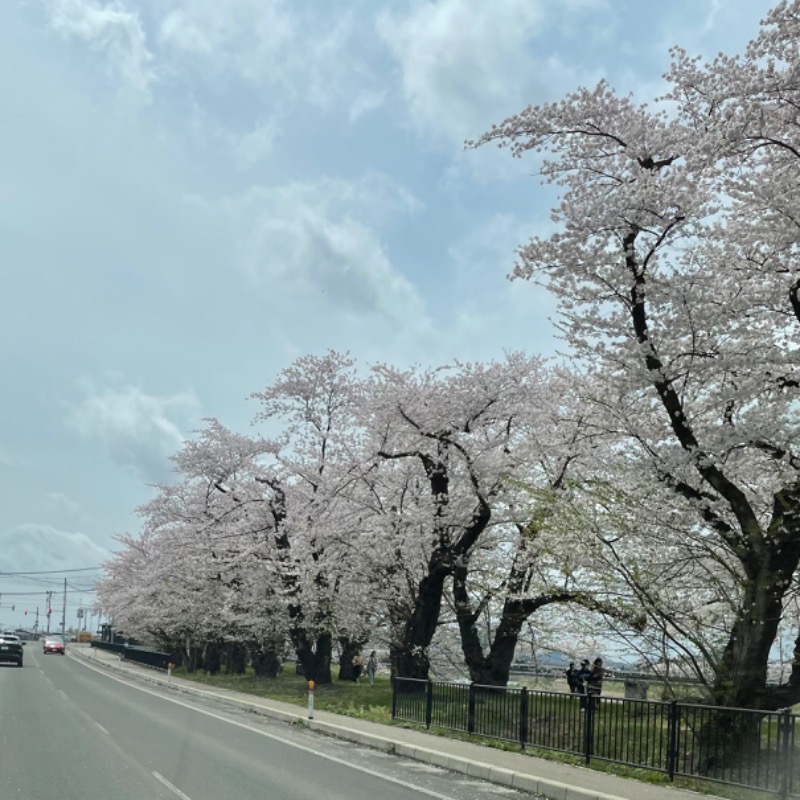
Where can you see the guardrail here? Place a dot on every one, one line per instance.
(741, 747)
(141, 655)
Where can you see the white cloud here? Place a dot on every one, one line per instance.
(138, 430)
(366, 102)
(255, 145)
(250, 35)
(319, 56)
(463, 62)
(321, 240)
(110, 28)
(43, 547)
(466, 64)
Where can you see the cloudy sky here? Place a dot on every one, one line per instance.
(196, 192)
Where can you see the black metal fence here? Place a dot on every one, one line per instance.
(737, 746)
(141, 655)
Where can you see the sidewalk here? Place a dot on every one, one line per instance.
(554, 781)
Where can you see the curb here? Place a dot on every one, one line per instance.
(525, 782)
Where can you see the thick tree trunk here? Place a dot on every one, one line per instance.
(315, 657)
(266, 663)
(409, 657)
(492, 669)
(193, 656)
(741, 676)
(348, 649)
(235, 658)
(212, 659)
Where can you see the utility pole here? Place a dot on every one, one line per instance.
(64, 614)
(36, 624)
(49, 608)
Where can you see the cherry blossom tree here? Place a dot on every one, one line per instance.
(476, 441)
(208, 582)
(674, 261)
(314, 400)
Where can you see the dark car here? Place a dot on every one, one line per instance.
(53, 644)
(11, 649)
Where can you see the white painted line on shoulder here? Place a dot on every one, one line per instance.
(171, 786)
(342, 762)
(102, 729)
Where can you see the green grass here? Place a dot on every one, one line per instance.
(375, 704)
(360, 700)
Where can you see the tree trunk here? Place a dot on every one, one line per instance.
(266, 663)
(235, 658)
(741, 676)
(316, 658)
(348, 649)
(194, 659)
(212, 661)
(492, 669)
(409, 657)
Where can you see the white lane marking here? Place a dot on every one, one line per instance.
(101, 728)
(62, 692)
(334, 759)
(171, 787)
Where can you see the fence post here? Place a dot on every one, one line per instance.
(523, 717)
(673, 722)
(393, 680)
(428, 703)
(786, 727)
(471, 709)
(588, 733)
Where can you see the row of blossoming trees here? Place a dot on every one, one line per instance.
(380, 499)
(653, 480)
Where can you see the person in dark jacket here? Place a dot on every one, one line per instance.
(594, 682)
(572, 678)
(583, 675)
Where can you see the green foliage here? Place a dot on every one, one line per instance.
(350, 699)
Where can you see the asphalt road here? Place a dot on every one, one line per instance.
(72, 731)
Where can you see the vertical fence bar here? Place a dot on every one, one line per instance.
(784, 724)
(523, 717)
(471, 709)
(428, 703)
(673, 721)
(588, 733)
(394, 696)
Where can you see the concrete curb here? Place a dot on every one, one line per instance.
(553, 790)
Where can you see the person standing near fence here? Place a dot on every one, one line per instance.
(583, 675)
(372, 667)
(572, 678)
(594, 682)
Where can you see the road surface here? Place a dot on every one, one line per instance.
(75, 732)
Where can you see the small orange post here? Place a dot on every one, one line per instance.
(311, 699)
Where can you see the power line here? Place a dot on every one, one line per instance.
(39, 593)
(50, 571)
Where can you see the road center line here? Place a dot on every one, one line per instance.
(171, 787)
(334, 759)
